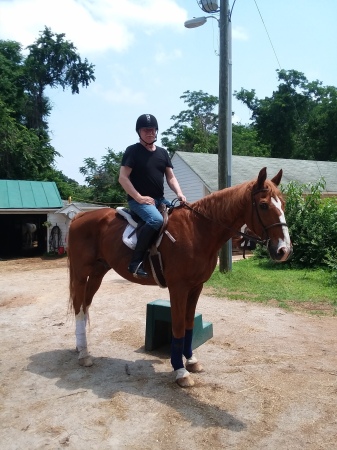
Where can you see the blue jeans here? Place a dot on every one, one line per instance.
(149, 213)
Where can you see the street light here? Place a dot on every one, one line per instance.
(225, 108)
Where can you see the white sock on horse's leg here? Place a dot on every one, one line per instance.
(181, 373)
(80, 333)
(192, 360)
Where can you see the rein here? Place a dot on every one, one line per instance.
(245, 235)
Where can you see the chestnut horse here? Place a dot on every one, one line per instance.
(200, 229)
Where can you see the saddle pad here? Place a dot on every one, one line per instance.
(128, 240)
(126, 214)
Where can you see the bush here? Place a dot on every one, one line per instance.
(312, 224)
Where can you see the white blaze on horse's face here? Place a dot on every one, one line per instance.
(284, 244)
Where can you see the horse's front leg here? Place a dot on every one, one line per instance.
(182, 315)
(192, 363)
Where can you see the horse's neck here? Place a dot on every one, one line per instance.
(226, 206)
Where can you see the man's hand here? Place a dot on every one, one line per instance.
(144, 200)
(182, 198)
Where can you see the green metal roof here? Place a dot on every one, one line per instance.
(19, 194)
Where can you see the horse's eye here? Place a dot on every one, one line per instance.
(264, 205)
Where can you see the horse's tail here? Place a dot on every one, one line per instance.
(71, 272)
(71, 276)
(72, 264)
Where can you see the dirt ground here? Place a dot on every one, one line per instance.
(270, 379)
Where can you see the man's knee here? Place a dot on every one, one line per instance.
(156, 222)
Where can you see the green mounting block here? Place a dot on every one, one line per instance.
(158, 326)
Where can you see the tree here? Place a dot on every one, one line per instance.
(52, 61)
(245, 141)
(12, 78)
(195, 129)
(25, 149)
(298, 120)
(23, 154)
(68, 187)
(102, 178)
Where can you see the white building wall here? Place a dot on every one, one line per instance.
(190, 183)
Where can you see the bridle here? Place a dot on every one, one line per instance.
(265, 228)
(258, 239)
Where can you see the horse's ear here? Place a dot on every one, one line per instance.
(262, 178)
(277, 178)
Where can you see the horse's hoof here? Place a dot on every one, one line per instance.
(185, 381)
(86, 361)
(194, 368)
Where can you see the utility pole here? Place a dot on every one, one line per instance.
(225, 119)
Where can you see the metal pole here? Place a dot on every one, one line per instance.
(225, 120)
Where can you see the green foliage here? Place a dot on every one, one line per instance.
(23, 154)
(312, 224)
(245, 142)
(298, 120)
(52, 61)
(67, 186)
(102, 179)
(12, 78)
(331, 261)
(25, 149)
(195, 129)
(264, 281)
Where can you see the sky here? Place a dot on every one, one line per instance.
(145, 59)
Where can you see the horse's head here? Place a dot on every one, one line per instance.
(267, 218)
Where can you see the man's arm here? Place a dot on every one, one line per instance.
(124, 180)
(173, 184)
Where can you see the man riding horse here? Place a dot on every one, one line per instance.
(142, 177)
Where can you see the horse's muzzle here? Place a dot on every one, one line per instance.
(280, 253)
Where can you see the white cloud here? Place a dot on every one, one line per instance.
(163, 57)
(123, 95)
(118, 92)
(92, 25)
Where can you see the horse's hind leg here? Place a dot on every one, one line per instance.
(81, 320)
(86, 290)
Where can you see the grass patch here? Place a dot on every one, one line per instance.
(259, 280)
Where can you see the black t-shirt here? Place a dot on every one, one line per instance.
(148, 169)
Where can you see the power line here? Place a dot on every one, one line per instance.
(287, 81)
(272, 46)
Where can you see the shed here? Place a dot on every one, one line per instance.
(24, 207)
(197, 173)
(29, 213)
(59, 221)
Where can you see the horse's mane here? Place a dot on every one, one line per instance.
(225, 201)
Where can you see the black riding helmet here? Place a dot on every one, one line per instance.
(147, 121)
